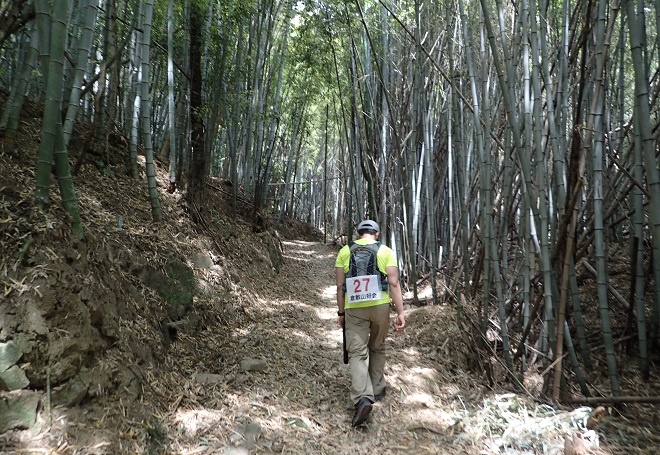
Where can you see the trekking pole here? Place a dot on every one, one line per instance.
(343, 330)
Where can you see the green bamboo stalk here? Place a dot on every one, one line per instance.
(14, 105)
(643, 117)
(88, 22)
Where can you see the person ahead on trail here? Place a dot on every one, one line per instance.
(367, 277)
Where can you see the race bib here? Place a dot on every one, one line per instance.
(363, 288)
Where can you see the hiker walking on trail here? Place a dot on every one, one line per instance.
(367, 277)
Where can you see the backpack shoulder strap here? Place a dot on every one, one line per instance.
(383, 276)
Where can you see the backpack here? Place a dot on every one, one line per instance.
(363, 261)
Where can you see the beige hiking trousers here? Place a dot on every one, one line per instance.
(366, 330)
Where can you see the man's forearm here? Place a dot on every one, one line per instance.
(340, 299)
(340, 280)
(397, 298)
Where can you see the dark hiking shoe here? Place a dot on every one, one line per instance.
(362, 410)
(381, 395)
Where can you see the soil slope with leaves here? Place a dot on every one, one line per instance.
(222, 338)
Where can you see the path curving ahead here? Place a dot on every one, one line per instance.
(277, 384)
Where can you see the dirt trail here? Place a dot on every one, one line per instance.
(300, 402)
(260, 371)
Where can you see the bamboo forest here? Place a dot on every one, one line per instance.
(177, 179)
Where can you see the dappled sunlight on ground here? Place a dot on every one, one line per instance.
(301, 251)
(299, 402)
(197, 421)
(325, 313)
(296, 401)
(419, 398)
(329, 292)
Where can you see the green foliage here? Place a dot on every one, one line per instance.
(179, 293)
(157, 437)
(105, 171)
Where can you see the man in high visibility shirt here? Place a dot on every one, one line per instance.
(366, 322)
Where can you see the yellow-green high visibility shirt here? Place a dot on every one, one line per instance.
(385, 259)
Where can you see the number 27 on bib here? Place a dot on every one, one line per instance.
(363, 288)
